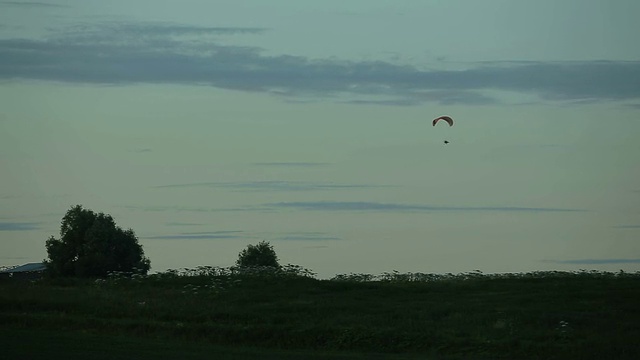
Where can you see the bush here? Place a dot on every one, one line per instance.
(261, 254)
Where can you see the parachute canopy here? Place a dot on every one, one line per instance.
(448, 119)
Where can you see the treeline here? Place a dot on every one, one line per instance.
(92, 245)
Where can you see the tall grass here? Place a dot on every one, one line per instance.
(584, 314)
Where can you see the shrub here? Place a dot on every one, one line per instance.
(261, 254)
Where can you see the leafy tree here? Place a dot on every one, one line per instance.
(261, 254)
(91, 245)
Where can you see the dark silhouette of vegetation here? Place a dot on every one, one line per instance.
(261, 254)
(539, 315)
(273, 309)
(91, 245)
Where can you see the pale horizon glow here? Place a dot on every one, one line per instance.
(208, 126)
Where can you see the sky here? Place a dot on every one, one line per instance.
(206, 126)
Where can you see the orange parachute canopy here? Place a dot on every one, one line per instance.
(448, 119)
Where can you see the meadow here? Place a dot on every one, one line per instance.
(228, 313)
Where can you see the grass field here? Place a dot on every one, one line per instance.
(215, 313)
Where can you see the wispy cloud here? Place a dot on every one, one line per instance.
(317, 247)
(399, 207)
(148, 35)
(11, 196)
(34, 196)
(307, 236)
(291, 164)
(183, 224)
(627, 226)
(594, 261)
(441, 96)
(193, 209)
(211, 235)
(350, 206)
(19, 226)
(273, 186)
(30, 4)
(127, 53)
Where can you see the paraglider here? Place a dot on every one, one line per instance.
(448, 119)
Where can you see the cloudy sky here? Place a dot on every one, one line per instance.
(208, 125)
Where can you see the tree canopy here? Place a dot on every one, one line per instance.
(261, 254)
(91, 245)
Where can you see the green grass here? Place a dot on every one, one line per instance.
(192, 314)
(82, 345)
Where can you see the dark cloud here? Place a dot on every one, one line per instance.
(30, 4)
(19, 226)
(594, 261)
(126, 53)
(212, 235)
(273, 186)
(394, 207)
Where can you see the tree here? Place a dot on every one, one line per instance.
(91, 245)
(261, 254)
